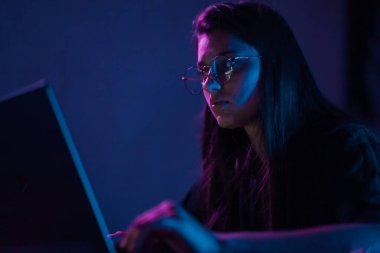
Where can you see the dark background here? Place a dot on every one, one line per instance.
(115, 66)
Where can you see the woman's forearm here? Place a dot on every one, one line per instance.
(332, 238)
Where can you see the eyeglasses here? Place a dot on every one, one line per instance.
(220, 71)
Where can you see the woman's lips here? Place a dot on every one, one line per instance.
(219, 106)
(219, 103)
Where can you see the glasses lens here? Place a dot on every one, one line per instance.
(221, 69)
(193, 80)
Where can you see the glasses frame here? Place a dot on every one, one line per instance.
(213, 75)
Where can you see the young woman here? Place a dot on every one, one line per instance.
(282, 167)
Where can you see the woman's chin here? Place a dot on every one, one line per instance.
(227, 123)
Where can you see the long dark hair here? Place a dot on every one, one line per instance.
(235, 183)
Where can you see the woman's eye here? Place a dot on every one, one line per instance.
(229, 63)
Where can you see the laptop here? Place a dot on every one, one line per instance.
(46, 200)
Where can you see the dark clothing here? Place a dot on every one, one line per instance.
(333, 177)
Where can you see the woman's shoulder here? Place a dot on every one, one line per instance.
(335, 136)
(342, 147)
(352, 148)
(353, 169)
(353, 133)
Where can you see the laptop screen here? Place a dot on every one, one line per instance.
(46, 201)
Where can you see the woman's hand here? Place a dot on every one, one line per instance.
(169, 224)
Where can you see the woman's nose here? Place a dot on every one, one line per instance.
(212, 86)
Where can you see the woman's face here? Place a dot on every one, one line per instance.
(236, 102)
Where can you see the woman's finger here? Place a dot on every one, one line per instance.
(164, 209)
(181, 232)
(142, 225)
